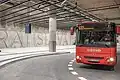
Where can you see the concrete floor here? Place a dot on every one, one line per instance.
(54, 67)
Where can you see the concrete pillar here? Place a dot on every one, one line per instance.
(2, 21)
(3, 24)
(52, 33)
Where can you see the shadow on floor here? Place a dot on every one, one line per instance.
(96, 67)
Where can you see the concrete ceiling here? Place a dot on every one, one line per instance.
(72, 12)
(106, 9)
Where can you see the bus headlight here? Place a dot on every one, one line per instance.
(78, 57)
(111, 60)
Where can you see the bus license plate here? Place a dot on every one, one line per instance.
(96, 60)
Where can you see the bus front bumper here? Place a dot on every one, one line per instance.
(109, 61)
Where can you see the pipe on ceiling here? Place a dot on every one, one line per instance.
(14, 6)
(26, 13)
(22, 10)
(102, 8)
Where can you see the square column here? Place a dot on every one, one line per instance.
(2, 21)
(52, 33)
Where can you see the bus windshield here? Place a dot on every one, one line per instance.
(95, 38)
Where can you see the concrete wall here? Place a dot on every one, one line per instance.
(14, 36)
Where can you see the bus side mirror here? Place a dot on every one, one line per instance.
(113, 25)
(72, 30)
(118, 30)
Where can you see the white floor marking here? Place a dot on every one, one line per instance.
(70, 68)
(82, 78)
(70, 62)
(69, 65)
(74, 73)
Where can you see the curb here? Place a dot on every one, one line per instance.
(30, 52)
(9, 61)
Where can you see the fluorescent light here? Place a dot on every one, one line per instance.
(77, 13)
(72, 10)
(82, 15)
(87, 17)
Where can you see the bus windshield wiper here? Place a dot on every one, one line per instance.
(80, 45)
(102, 44)
(106, 45)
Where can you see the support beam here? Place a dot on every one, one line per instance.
(117, 5)
(52, 33)
(116, 18)
(13, 6)
(102, 8)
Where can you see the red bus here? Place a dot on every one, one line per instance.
(96, 43)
